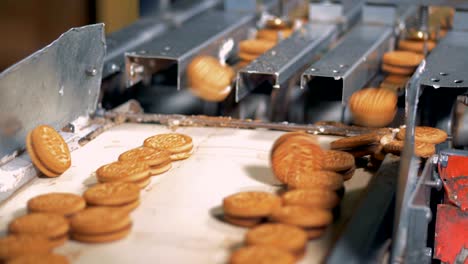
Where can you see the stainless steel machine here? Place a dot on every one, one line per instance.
(337, 49)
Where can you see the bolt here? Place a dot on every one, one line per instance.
(91, 72)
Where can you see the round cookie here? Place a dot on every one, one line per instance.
(102, 238)
(12, 246)
(242, 222)
(402, 58)
(373, 107)
(415, 46)
(315, 198)
(255, 46)
(112, 193)
(35, 159)
(355, 141)
(51, 226)
(51, 149)
(151, 156)
(160, 169)
(59, 203)
(248, 56)
(289, 135)
(181, 155)
(396, 79)
(143, 182)
(99, 220)
(44, 258)
(302, 216)
(317, 179)
(251, 204)
(398, 70)
(123, 171)
(286, 237)
(173, 142)
(266, 254)
(336, 160)
(421, 149)
(425, 134)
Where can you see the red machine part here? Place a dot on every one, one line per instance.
(451, 234)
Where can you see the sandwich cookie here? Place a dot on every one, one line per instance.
(13, 246)
(321, 179)
(314, 198)
(65, 204)
(124, 171)
(179, 145)
(261, 254)
(421, 149)
(37, 258)
(159, 160)
(123, 195)
(425, 134)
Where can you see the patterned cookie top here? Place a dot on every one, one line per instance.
(355, 141)
(99, 220)
(261, 254)
(123, 171)
(51, 148)
(58, 203)
(46, 224)
(302, 216)
(172, 142)
(425, 134)
(112, 193)
(145, 154)
(17, 245)
(336, 160)
(317, 179)
(287, 237)
(251, 204)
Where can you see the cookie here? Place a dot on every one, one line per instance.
(373, 107)
(348, 174)
(160, 169)
(112, 194)
(123, 171)
(181, 155)
(51, 226)
(37, 258)
(396, 79)
(255, 46)
(65, 204)
(302, 216)
(316, 179)
(143, 182)
(152, 156)
(363, 150)
(173, 142)
(315, 198)
(425, 134)
(99, 220)
(48, 151)
(402, 58)
(415, 46)
(355, 141)
(12, 246)
(289, 135)
(313, 233)
(336, 160)
(242, 222)
(398, 70)
(421, 149)
(251, 204)
(285, 237)
(102, 238)
(261, 254)
(248, 56)
(209, 79)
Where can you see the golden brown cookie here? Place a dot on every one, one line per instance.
(99, 220)
(425, 134)
(255, 46)
(50, 149)
(35, 159)
(152, 156)
(347, 175)
(173, 142)
(421, 149)
(51, 226)
(104, 237)
(415, 45)
(315, 198)
(44, 258)
(12, 246)
(402, 58)
(65, 204)
(336, 160)
(285, 237)
(112, 193)
(143, 182)
(396, 79)
(398, 70)
(160, 169)
(302, 216)
(261, 254)
(373, 107)
(313, 233)
(251, 204)
(355, 141)
(248, 56)
(242, 222)
(289, 135)
(209, 79)
(123, 171)
(316, 179)
(181, 155)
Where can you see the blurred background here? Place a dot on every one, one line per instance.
(28, 25)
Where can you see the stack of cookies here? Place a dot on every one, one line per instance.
(251, 49)
(401, 62)
(209, 79)
(373, 107)
(17, 248)
(416, 45)
(360, 146)
(118, 195)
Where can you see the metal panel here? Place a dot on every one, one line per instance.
(53, 86)
(201, 35)
(345, 12)
(284, 60)
(462, 4)
(448, 62)
(354, 61)
(460, 20)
